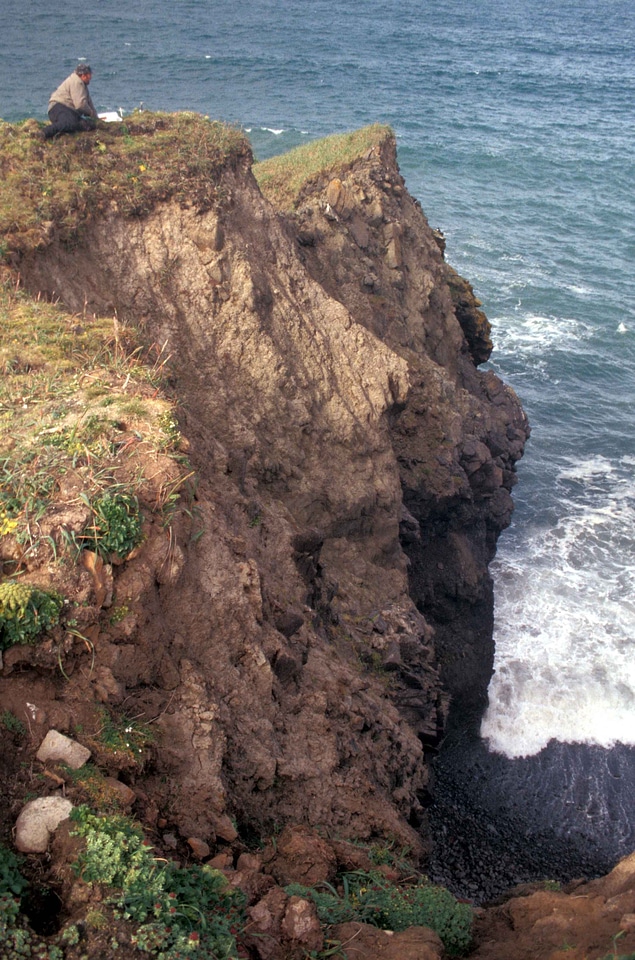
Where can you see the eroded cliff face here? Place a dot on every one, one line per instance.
(299, 634)
(459, 434)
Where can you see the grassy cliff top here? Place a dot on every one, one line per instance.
(59, 184)
(148, 158)
(82, 407)
(282, 178)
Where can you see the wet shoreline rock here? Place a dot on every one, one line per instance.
(562, 814)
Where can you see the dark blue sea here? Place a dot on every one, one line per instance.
(515, 122)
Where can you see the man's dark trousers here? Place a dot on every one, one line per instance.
(65, 120)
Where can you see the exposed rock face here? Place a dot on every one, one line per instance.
(355, 470)
(460, 433)
(595, 919)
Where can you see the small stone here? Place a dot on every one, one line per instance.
(222, 861)
(38, 820)
(107, 688)
(301, 923)
(224, 828)
(125, 794)
(301, 856)
(249, 861)
(360, 232)
(289, 623)
(199, 848)
(170, 841)
(392, 656)
(338, 198)
(286, 668)
(393, 254)
(60, 749)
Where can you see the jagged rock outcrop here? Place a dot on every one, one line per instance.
(354, 472)
(460, 433)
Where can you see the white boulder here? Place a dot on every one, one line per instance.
(61, 749)
(38, 820)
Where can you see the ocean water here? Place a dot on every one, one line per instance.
(515, 123)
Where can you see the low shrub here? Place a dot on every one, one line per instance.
(12, 883)
(370, 898)
(116, 525)
(26, 612)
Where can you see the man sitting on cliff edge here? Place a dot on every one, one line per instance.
(70, 107)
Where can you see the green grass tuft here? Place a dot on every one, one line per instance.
(282, 178)
(370, 898)
(59, 184)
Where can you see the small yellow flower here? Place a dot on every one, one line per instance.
(142, 167)
(7, 525)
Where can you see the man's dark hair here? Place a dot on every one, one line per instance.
(83, 70)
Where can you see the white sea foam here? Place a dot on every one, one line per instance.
(536, 334)
(272, 130)
(588, 468)
(565, 620)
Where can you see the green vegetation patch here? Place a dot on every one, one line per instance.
(282, 178)
(16, 940)
(175, 910)
(12, 723)
(71, 179)
(368, 897)
(26, 612)
(12, 883)
(61, 444)
(122, 738)
(116, 525)
(95, 789)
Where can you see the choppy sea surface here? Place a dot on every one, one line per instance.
(515, 123)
